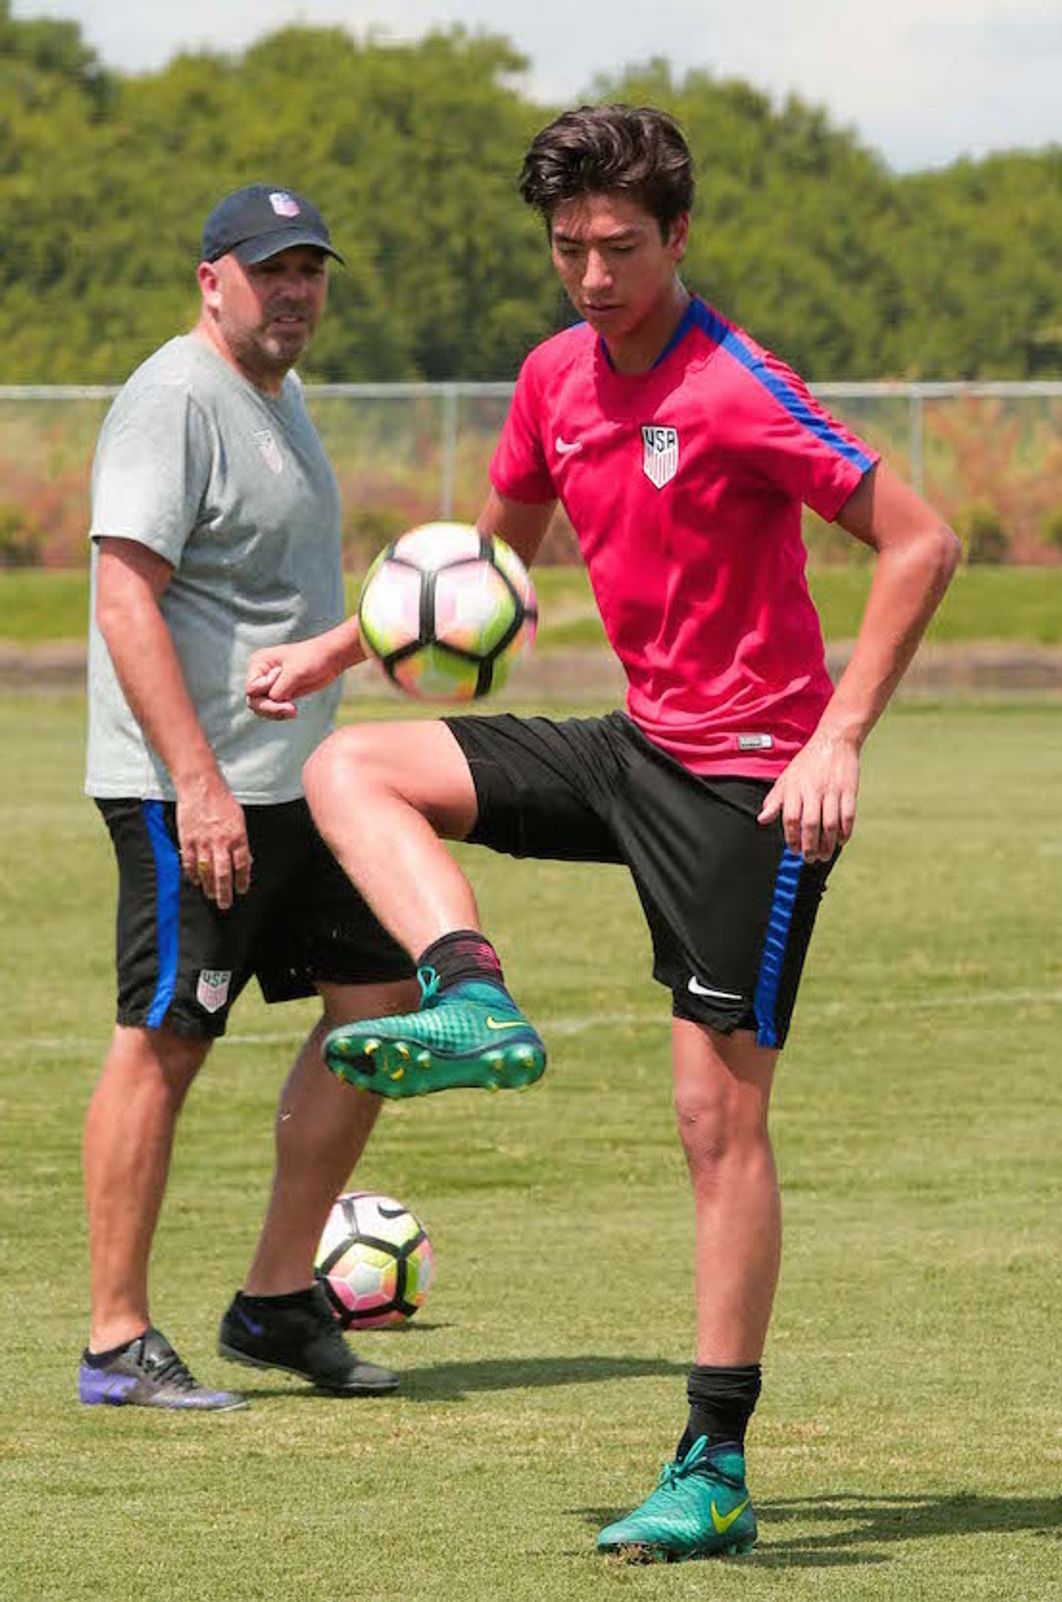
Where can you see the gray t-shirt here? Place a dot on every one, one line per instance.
(234, 489)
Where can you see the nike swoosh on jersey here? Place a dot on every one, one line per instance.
(697, 989)
(721, 1522)
(567, 447)
(505, 1023)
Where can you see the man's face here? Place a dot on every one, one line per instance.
(266, 312)
(616, 268)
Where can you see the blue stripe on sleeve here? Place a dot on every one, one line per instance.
(769, 978)
(167, 892)
(729, 340)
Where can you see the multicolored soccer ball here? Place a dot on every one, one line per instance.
(447, 611)
(374, 1261)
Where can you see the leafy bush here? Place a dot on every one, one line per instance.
(984, 538)
(20, 539)
(1051, 529)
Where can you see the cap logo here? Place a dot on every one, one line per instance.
(284, 205)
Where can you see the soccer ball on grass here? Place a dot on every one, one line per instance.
(374, 1261)
(446, 611)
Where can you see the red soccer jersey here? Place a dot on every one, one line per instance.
(684, 486)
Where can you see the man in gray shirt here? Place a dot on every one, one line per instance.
(215, 530)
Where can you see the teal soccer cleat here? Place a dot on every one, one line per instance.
(472, 1036)
(700, 1508)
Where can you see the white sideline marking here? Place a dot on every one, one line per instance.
(56, 1044)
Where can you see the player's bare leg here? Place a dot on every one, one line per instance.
(384, 797)
(281, 1319)
(701, 1506)
(722, 1086)
(128, 1143)
(321, 1131)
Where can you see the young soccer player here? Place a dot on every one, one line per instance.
(683, 453)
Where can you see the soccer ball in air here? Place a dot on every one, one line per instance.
(374, 1261)
(447, 610)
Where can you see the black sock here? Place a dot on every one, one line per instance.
(296, 1298)
(101, 1359)
(463, 954)
(721, 1403)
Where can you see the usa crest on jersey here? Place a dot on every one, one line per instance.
(659, 454)
(270, 450)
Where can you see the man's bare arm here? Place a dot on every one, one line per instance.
(916, 557)
(210, 823)
(521, 524)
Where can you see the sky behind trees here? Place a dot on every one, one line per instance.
(921, 81)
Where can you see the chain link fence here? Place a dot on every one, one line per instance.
(989, 455)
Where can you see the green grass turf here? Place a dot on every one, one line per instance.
(984, 603)
(909, 1441)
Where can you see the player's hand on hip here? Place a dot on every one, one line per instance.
(212, 834)
(816, 798)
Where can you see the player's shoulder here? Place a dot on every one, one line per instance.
(168, 394)
(562, 352)
(749, 386)
(167, 379)
(742, 356)
(174, 364)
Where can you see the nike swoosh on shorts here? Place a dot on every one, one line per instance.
(697, 989)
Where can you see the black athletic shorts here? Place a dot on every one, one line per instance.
(182, 961)
(729, 907)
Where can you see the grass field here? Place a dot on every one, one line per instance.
(909, 1441)
(983, 603)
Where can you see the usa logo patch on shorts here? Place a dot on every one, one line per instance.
(212, 991)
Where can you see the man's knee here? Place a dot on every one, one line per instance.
(720, 1119)
(705, 1123)
(347, 763)
(162, 1058)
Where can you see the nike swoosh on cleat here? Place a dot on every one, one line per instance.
(567, 447)
(722, 1522)
(249, 1323)
(505, 1023)
(697, 989)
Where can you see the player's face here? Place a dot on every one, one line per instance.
(266, 312)
(617, 269)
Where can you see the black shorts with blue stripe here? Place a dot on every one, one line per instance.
(182, 961)
(729, 908)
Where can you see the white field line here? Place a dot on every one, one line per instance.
(53, 1045)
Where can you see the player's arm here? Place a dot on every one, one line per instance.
(521, 524)
(916, 556)
(280, 675)
(211, 828)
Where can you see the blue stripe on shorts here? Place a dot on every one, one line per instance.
(769, 978)
(167, 893)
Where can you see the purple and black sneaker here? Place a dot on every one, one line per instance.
(148, 1373)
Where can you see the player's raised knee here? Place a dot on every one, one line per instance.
(343, 762)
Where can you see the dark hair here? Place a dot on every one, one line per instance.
(633, 150)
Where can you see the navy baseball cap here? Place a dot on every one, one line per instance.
(259, 220)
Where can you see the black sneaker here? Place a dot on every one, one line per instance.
(301, 1337)
(148, 1373)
